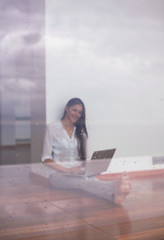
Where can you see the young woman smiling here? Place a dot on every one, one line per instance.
(65, 151)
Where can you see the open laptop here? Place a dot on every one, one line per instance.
(99, 163)
(103, 154)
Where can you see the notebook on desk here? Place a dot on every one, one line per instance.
(99, 163)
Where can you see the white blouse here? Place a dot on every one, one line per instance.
(58, 146)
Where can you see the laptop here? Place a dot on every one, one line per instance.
(99, 163)
(103, 154)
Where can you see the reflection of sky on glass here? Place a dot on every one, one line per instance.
(109, 53)
(113, 51)
(21, 34)
(21, 65)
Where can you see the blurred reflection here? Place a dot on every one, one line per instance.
(22, 71)
(123, 223)
(30, 207)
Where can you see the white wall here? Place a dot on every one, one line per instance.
(110, 54)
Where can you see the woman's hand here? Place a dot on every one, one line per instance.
(57, 167)
(77, 169)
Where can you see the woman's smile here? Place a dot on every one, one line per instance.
(74, 112)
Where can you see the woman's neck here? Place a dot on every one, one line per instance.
(67, 123)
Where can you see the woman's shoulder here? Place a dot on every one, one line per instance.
(56, 125)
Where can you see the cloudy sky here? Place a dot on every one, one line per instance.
(109, 53)
(22, 64)
(21, 34)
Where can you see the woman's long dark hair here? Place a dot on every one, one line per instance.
(81, 130)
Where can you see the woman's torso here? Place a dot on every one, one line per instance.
(64, 147)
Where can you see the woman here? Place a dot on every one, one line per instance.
(65, 145)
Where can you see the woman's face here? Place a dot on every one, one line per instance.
(73, 113)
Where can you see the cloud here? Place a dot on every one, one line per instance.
(32, 38)
(111, 49)
(22, 49)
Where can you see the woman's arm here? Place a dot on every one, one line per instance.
(50, 163)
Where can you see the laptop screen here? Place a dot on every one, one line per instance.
(103, 154)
